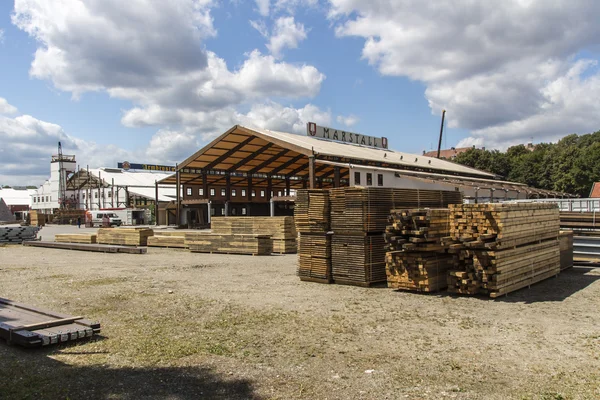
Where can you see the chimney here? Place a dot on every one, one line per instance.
(424, 152)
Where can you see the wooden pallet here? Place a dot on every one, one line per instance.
(28, 326)
(281, 229)
(98, 248)
(418, 271)
(75, 238)
(124, 236)
(258, 245)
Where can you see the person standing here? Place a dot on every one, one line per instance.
(79, 222)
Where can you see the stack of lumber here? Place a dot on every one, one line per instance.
(75, 238)
(28, 326)
(312, 218)
(312, 210)
(565, 239)
(36, 218)
(167, 239)
(504, 247)
(68, 216)
(17, 234)
(359, 217)
(416, 259)
(579, 220)
(258, 245)
(124, 236)
(281, 229)
(93, 247)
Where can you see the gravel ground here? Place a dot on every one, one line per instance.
(181, 325)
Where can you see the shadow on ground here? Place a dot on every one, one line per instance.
(32, 373)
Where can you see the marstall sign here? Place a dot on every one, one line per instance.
(322, 132)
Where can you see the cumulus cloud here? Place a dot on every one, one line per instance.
(276, 117)
(347, 120)
(1, 35)
(502, 70)
(5, 108)
(286, 34)
(261, 27)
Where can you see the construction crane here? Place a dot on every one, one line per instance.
(62, 180)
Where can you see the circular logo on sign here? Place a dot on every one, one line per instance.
(312, 128)
(126, 165)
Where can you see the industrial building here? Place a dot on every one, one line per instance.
(252, 171)
(18, 201)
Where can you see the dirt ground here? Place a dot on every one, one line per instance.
(179, 325)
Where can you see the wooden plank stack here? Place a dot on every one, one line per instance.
(579, 220)
(416, 259)
(312, 217)
(167, 240)
(75, 238)
(503, 247)
(358, 259)
(36, 218)
(281, 229)
(258, 245)
(565, 239)
(124, 236)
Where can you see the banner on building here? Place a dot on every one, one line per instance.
(322, 132)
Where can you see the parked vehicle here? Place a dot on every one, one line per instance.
(105, 219)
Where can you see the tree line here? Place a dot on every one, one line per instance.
(571, 165)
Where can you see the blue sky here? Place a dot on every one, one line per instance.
(153, 81)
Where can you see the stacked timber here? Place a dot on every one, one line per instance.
(312, 218)
(565, 239)
(169, 240)
(416, 259)
(75, 238)
(124, 236)
(281, 229)
(504, 247)
(258, 245)
(36, 218)
(579, 220)
(359, 217)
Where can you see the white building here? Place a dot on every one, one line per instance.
(18, 200)
(46, 197)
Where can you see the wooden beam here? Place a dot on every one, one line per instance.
(294, 172)
(268, 161)
(311, 172)
(286, 164)
(250, 157)
(228, 153)
(336, 177)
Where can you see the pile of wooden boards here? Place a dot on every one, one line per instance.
(565, 239)
(75, 238)
(312, 217)
(416, 259)
(170, 239)
(579, 220)
(17, 234)
(36, 218)
(124, 236)
(258, 245)
(503, 247)
(281, 229)
(31, 327)
(359, 217)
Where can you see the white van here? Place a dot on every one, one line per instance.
(99, 217)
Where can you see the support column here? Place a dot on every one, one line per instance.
(287, 186)
(272, 208)
(227, 208)
(208, 209)
(178, 198)
(336, 177)
(112, 194)
(304, 184)
(205, 184)
(269, 188)
(311, 171)
(156, 202)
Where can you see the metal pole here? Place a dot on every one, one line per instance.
(112, 194)
(441, 131)
(178, 213)
(156, 201)
(272, 208)
(311, 172)
(208, 208)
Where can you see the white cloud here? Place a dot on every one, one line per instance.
(348, 120)
(5, 108)
(261, 27)
(263, 7)
(286, 119)
(494, 66)
(1, 35)
(290, 6)
(286, 34)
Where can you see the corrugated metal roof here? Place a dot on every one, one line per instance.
(17, 197)
(349, 150)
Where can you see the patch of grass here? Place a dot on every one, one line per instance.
(552, 396)
(96, 282)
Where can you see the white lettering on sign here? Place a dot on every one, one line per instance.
(323, 132)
